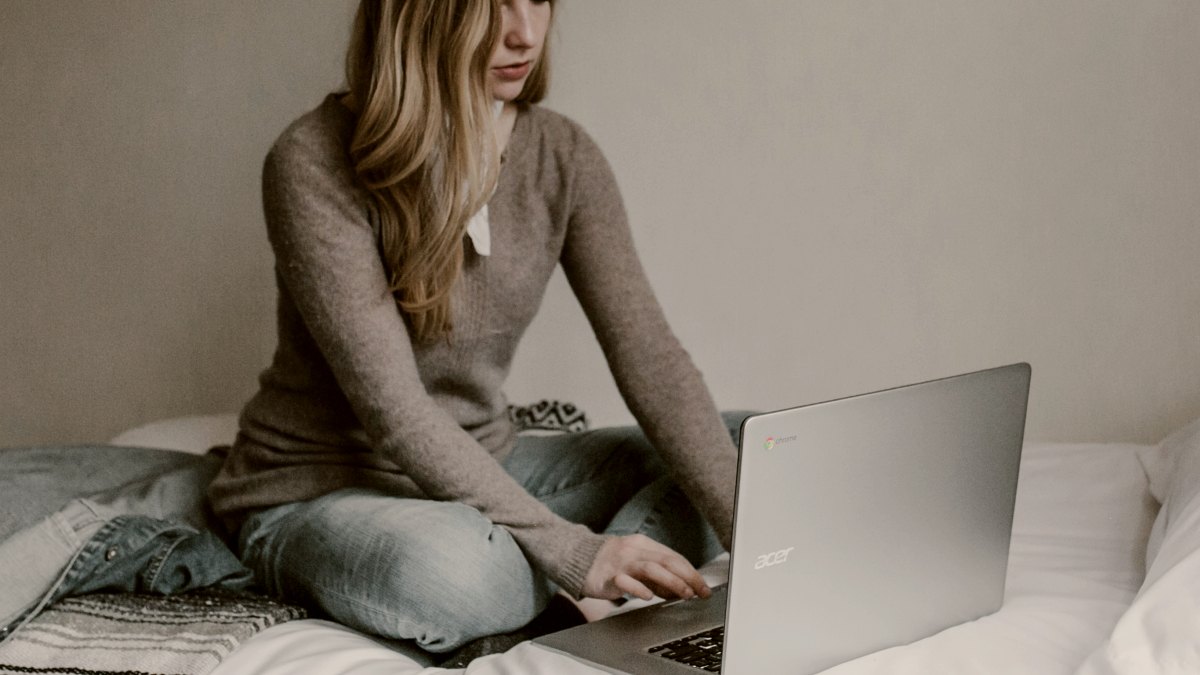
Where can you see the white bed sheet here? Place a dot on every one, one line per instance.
(1084, 513)
(1077, 559)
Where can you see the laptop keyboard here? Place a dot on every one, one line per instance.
(701, 651)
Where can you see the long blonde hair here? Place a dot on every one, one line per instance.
(424, 142)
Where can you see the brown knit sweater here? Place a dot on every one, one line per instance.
(350, 400)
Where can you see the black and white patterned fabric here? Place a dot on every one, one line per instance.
(548, 416)
(139, 633)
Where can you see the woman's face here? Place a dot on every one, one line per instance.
(523, 27)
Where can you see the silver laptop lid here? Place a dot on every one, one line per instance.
(881, 518)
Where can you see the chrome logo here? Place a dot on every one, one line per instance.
(769, 443)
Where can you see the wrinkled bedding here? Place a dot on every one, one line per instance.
(1083, 517)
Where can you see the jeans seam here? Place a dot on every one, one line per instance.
(155, 566)
(376, 611)
(561, 491)
(597, 473)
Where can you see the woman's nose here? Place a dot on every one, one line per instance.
(518, 27)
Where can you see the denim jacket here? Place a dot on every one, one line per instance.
(102, 518)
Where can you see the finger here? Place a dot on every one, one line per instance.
(669, 557)
(663, 581)
(628, 584)
(678, 566)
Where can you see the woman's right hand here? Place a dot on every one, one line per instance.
(638, 565)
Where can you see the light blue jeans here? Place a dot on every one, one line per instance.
(84, 519)
(442, 574)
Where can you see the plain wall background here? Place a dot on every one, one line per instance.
(830, 197)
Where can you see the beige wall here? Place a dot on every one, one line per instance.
(829, 196)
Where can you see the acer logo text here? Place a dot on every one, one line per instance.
(775, 558)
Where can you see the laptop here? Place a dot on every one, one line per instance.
(859, 524)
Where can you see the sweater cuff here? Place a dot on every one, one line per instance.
(571, 575)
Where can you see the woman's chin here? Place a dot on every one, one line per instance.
(507, 91)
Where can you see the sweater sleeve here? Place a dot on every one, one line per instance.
(656, 377)
(326, 256)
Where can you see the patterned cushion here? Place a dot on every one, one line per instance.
(548, 416)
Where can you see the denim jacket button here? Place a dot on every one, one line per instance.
(111, 553)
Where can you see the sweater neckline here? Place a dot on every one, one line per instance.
(516, 135)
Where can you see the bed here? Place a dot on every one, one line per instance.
(1104, 578)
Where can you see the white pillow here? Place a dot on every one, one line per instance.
(1160, 632)
(1159, 460)
(195, 434)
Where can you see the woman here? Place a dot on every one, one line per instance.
(415, 221)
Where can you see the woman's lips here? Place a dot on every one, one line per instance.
(515, 71)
